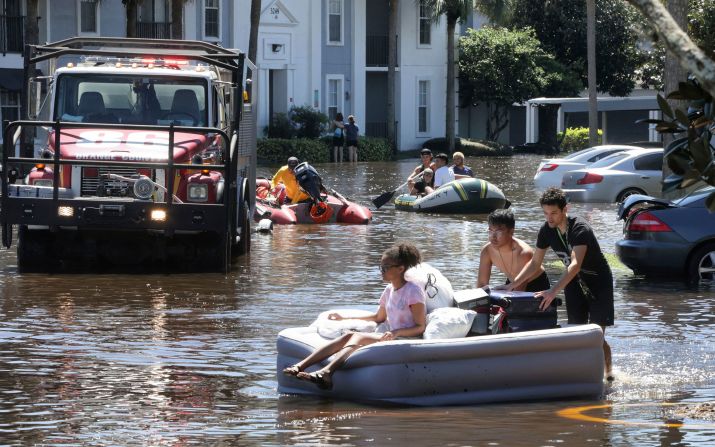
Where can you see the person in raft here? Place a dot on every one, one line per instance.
(284, 185)
(426, 161)
(402, 305)
(423, 185)
(587, 282)
(508, 254)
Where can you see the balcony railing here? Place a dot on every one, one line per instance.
(154, 30)
(376, 51)
(12, 32)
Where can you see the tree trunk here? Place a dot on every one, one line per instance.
(32, 37)
(449, 113)
(177, 19)
(678, 43)
(391, 65)
(591, 60)
(672, 75)
(253, 36)
(131, 9)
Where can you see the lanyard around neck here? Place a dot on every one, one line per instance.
(564, 237)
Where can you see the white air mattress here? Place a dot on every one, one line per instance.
(547, 364)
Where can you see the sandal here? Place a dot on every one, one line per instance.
(320, 378)
(292, 370)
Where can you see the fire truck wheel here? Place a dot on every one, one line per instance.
(33, 250)
(244, 244)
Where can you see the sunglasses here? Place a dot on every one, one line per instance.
(386, 267)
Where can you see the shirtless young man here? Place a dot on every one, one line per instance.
(508, 254)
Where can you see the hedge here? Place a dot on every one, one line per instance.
(277, 150)
(576, 139)
(473, 148)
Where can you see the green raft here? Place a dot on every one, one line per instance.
(463, 196)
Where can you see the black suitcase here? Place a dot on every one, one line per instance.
(522, 310)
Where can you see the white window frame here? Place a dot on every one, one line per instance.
(419, 105)
(419, 24)
(342, 24)
(218, 38)
(97, 5)
(340, 94)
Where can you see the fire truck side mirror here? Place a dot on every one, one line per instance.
(34, 100)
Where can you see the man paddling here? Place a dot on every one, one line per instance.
(508, 254)
(587, 282)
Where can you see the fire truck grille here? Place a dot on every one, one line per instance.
(90, 184)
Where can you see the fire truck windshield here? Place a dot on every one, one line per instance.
(131, 99)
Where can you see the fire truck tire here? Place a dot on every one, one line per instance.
(33, 250)
(244, 244)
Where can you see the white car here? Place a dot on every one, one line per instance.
(616, 177)
(550, 170)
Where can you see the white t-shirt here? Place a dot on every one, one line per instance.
(443, 175)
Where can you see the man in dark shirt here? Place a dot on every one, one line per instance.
(587, 282)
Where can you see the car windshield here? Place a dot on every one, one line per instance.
(610, 160)
(97, 98)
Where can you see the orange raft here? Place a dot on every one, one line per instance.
(334, 208)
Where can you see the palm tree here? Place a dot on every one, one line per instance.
(454, 10)
(253, 36)
(131, 9)
(32, 37)
(177, 19)
(591, 61)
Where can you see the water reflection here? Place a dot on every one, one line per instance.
(190, 359)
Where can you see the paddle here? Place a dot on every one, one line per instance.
(387, 196)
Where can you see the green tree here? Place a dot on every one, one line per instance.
(560, 25)
(454, 11)
(500, 67)
(691, 158)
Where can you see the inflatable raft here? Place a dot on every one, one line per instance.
(544, 364)
(462, 196)
(341, 209)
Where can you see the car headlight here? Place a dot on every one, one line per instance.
(43, 182)
(198, 192)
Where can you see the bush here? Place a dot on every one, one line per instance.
(277, 150)
(576, 139)
(474, 148)
(280, 127)
(309, 123)
(374, 149)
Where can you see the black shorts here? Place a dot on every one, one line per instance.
(539, 283)
(598, 309)
(338, 141)
(352, 143)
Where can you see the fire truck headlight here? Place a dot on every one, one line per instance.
(65, 211)
(158, 215)
(198, 192)
(143, 188)
(43, 182)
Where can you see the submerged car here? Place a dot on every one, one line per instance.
(612, 179)
(668, 238)
(551, 170)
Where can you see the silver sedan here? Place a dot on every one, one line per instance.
(616, 177)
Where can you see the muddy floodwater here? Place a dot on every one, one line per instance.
(157, 359)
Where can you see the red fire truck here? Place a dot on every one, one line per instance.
(135, 157)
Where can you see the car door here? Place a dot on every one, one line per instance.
(649, 171)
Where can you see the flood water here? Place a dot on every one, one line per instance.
(162, 359)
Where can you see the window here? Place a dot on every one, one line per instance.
(9, 105)
(425, 25)
(422, 106)
(335, 95)
(211, 19)
(88, 16)
(651, 162)
(335, 22)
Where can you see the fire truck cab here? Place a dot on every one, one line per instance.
(133, 156)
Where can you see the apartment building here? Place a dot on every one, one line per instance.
(327, 54)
